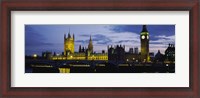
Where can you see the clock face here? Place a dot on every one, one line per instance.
(143, 37)
(147, 37)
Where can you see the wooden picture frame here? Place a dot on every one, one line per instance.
(99, 5)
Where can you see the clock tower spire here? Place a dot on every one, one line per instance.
(90, 45)
(144, 38)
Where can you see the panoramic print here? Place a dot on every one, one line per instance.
(98, 48)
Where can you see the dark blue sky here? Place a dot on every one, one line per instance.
(40, 38)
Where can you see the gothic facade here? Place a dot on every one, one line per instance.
(68, 44)
(83, 53)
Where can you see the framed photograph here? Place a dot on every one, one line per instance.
(101, 48)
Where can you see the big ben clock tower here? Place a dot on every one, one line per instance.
(144, 37)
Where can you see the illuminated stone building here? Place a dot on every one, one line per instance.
(116, 53)
(144, 37)
(68, 44)
(83, 52)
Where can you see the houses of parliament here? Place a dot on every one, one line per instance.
(115, 53)
(83, 53)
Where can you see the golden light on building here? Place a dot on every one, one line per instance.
(68, 44)
(69, 53)
(144, 38)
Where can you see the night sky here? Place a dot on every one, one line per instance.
(39, 38)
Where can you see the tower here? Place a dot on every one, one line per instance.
(136, 50)
(79, 50)
(90, 45)
(68, 44)
(144, 37)
(170, 53)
